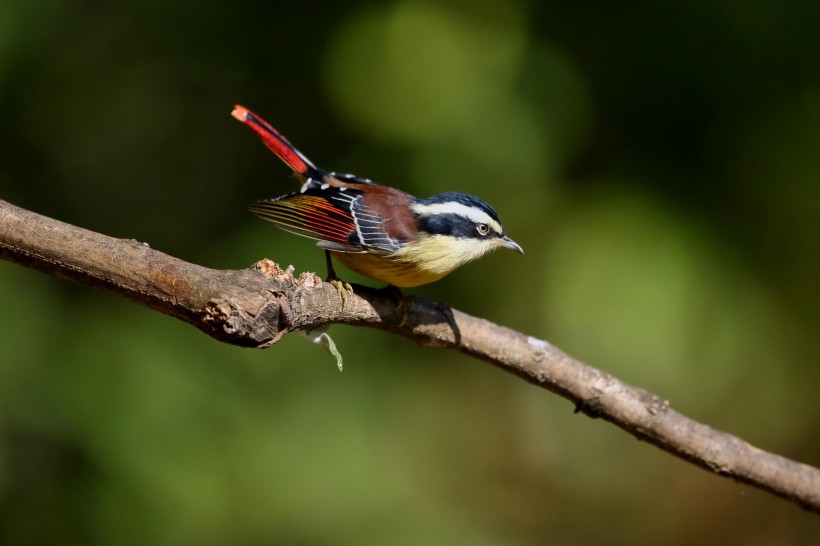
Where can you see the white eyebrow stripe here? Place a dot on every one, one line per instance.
(471, 213)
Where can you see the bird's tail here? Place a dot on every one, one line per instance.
(278, 144)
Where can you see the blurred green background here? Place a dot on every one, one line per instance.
(659, 163)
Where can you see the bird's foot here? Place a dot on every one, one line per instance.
(343, 288)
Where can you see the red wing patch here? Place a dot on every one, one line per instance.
(310, 216)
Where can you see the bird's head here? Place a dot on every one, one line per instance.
(456, 228)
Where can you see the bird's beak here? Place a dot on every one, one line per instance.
(509, 243)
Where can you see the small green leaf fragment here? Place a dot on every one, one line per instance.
(319, 336)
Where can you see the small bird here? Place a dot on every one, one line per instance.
(376, 230)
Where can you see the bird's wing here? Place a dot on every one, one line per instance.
(335, 216)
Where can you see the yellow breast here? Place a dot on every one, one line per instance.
(423, 261)
(387, 268)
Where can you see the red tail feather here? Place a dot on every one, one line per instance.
(278, 144)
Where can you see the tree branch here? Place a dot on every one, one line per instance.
(255, 307)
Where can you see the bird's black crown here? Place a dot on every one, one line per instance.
(463, 199)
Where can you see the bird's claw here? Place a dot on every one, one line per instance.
(343, 288)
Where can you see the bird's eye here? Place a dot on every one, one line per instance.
(483, 229)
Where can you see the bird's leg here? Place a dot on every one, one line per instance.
(342, 287)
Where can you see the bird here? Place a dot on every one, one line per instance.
(381, 232)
